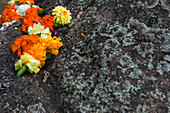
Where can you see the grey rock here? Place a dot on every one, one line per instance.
(120, 65)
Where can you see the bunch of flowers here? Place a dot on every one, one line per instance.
(48, 21)
(40, 43)
(37, 47)
(62, 15)
(9, 14)
(26, 2)
(31, 2)
(31, 18)
(15, 11)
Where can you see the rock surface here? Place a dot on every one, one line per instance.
(122, 64)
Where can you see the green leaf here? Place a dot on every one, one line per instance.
(17, 3)
(61, 37)
(39, 35)
(21, 70)
(55, 25)
(48, 57)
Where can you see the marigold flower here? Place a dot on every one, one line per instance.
(31, 18)
(36, 29)
(11, 2)
(9, 14)
(61, 15)
(32, 11)
(38, 51)
(46, 33)
(30, 22)
(34, 45)
(28, 60)
(11, 7)
(31, 2)
(22, 8)
(39, 29)
(53, 44)
(48, 21)
(24, 43)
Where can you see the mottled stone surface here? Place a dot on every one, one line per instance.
(122, 64)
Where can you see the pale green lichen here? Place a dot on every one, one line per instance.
(159, 94)
(164, 3)
(142, 108)
(144, 49)
(162, 67)
(112, 56)
(135, 74)
(167, 57)
(90, 90)
(128, 41)
(126, 60)
(36, 108)
(150, 65)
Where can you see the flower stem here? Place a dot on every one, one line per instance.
(21, 70)
(8, 19)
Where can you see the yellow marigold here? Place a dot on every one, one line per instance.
(62, 15)
(28, 60)
(11, 2)
(53, 44)
(46, 33)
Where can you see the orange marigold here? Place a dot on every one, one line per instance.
(38, 51)
(9, 14)
(29, 21)
(31, 18)
(32, 11)
(48, 21)
(11, 7)
(24, 44)
(26, 2)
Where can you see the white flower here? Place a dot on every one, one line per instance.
(22, 8)
(46, 33)
(28, 2)
(36, 29)
(35, 6)
(2, 28)
(6, 24)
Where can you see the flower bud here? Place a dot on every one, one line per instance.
(41, 13)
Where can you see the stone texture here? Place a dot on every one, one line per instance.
(120, 65)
